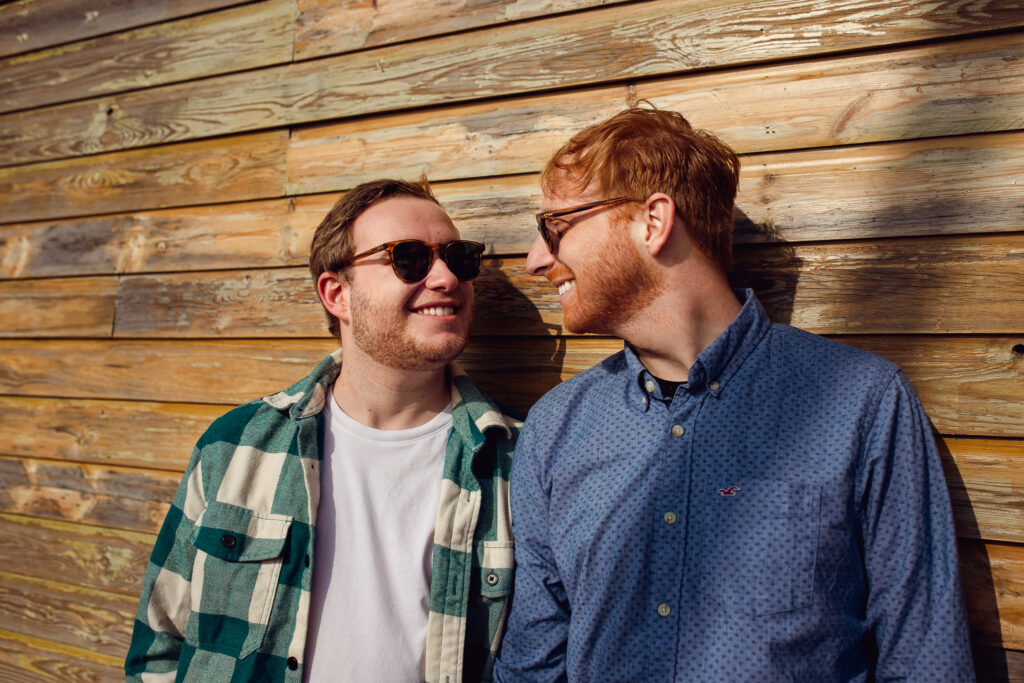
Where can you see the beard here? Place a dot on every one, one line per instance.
(382, 333)
(615, 288)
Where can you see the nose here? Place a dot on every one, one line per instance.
(539, 260)
(439, 277)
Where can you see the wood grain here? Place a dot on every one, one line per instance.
(25, 658)
(924, 187)
(920, 285)
(955, 88)
(83, 618)
(993, 577)
(231, 40)
(608, 44)
(132, 434)
(27, 25)
(88, 556)
(986, 484)
(327, 27)
(65, 307)
(970, 385)
(227, 169)
(122, 498)
(244, 234)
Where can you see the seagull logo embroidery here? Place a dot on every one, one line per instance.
(731, 491)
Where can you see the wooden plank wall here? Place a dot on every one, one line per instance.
(162, 166)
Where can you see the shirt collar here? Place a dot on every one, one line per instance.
(306, 398)
(718, 363)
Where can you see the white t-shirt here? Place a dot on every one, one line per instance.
(374, 544)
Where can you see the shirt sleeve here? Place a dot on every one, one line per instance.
(535, 642)
(915, 602)
(165, 603)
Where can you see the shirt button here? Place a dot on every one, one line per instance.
(664, 610)
(649, 386)
(643, 401)
(228, 541)
(714, 385)
(670, 517)
(293, 663)
(492, 579)
(677, 430)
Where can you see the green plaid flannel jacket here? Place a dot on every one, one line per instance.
(226, 593)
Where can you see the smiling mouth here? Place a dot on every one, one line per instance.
(566, 286)
(437, 310)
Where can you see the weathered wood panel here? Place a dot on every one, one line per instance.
(918, 285)
(243, 234)
(956, 376)
(88, 556)
(607, 44)
(233, 40)
(33, 24)
(969, 385)
(993, 577)
(968, 86)
(938, 186)
(325, 27)
(122, 498)
(922, 285)
(25, 658)
(66, 307)
(227, 169)
(145, 435)
(986, 484)
(84, 618)
(924, 187)
(187, 372)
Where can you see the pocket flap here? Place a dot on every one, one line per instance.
(497, 573)
(237, 534)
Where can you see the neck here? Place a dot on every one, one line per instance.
(669, 334)
(388, 398)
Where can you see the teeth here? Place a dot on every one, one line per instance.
(438, 310)
(566, 286)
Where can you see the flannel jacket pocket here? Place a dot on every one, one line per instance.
(238, 560)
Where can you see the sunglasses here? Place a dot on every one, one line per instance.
(411, 259)
(552, 227)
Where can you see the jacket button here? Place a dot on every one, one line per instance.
(228, 541)
(492, 579)
(293, 663)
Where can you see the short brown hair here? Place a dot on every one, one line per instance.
(332, 242)
(643, 150)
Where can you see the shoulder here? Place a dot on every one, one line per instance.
(817, 355)
(608, 374)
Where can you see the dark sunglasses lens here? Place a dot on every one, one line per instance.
(411, 260)
(463, 259)
(549, 235)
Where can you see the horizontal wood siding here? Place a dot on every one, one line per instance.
(163, 167)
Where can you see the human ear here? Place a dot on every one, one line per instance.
(659, 215)
(333, 291)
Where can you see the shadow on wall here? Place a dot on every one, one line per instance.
(513, 354)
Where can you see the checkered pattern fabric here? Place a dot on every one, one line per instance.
(226, 594)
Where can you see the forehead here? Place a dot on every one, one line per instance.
(400, 218)
(563, 191)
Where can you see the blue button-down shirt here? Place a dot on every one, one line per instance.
(783, 518)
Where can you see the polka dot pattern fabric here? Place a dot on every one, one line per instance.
(783, 517)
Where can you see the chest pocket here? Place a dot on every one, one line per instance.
(762, 545)
(238, 561)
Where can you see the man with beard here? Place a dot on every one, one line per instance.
(726, 499)
(355, 526)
